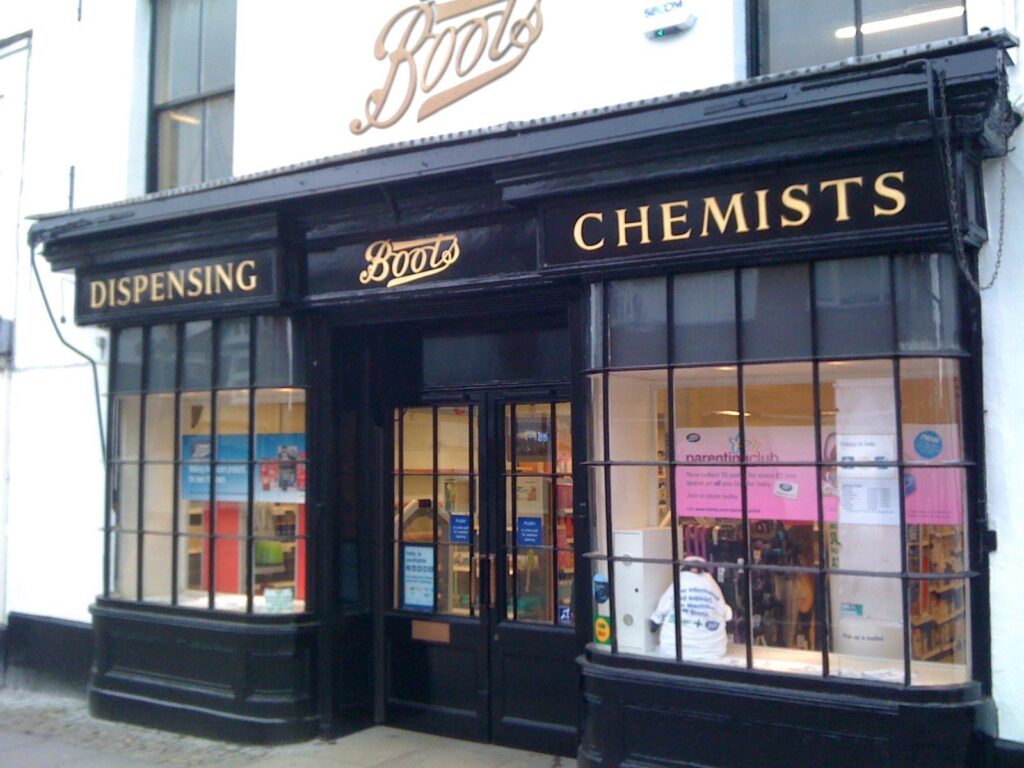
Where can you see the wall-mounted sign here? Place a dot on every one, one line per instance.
(666, 17)
(422, 263)
(854, 198)
(145, 291)
(398, 262)
(441, 52)
(418, 577)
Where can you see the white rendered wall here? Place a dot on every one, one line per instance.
(85, 108)
(302, 76)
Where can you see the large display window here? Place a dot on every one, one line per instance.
(778, 473)
(207, 465)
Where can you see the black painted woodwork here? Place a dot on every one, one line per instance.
(43, 653)
(245, 678)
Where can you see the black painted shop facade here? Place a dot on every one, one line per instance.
(468, 325)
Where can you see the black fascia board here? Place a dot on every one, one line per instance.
(971, 67)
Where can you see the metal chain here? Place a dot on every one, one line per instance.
(958, 245)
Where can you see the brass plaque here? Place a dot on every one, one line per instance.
(432, 631)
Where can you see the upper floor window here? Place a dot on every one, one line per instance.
(799, 33)
(193, 90)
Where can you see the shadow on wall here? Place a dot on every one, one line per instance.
(45, 654)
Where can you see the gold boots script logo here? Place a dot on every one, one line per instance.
(440, 51)
(398, 262)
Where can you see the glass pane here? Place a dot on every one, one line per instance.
(932, 419)
(601, 606)
(233, 425)
(156, 568)
(280, 446)
(279, 358)
(532, 511)
(565, 539)
(643, 592)
(125, 424)
(563, 438)
(180, 138)
(927, 309)
(124, 496)
(776, 304)
(782, 508)
(197, 371)
(453, 439)
(218, 45)
(787, 623)
(417, 438)
(193, 554)
(533, 433)
(278, 567)
(889, 24)
(416, 508)
(706, 415)
(595, 338)
(233, 353)
(219, 137)
(639, 498)
(598, 497)
(177, 49)
(713, 494)
(936, 506)
(595, 422)
(778, 402)
(124, 558)
(637, 318)
(866, 628)
(455, 524)
(159, 428)
(533, 595)
(854, 307)
(802, 34)
(638, 410)
(705, 317)
(128, 361)
(230, 570)
(454, 580)
(158, 498)
(162, 359)
(940, 641)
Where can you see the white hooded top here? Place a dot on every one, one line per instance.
(703, 613)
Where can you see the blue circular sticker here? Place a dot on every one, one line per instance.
(928, 444)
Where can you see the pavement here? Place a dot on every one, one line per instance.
(40, 730)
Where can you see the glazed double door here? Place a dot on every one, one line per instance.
(478, 636)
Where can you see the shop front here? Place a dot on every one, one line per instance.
(650, 436)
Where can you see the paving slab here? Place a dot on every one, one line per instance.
(40, 730)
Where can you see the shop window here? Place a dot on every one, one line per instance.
(193, 90)
(796, 500)
(207, 484)
(797, 33)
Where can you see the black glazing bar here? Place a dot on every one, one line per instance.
(553, 509)
(901, 479)
(211, 540)
(176, 481)
(858, 22)
(433, 502)
(398, 536)
(113, 447)
(670, 455)
(606, 437)
(744, 513)
(821, 580)
(143, 405)
(474, 576)
(511, 419)
(250, 575)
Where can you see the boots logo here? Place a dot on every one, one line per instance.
(398, 262)
(441, 52)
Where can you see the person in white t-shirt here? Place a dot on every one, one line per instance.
(703, 613)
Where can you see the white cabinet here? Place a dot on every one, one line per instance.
(639, 586)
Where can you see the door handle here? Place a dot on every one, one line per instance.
(488, 595)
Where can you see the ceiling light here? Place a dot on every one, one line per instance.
(179, 117)
(902, 22)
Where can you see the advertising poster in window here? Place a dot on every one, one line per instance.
(418, 578)
(281, 460)
(232, 478)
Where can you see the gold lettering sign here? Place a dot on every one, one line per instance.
(734, 213)
(405, 261)
(174, 284)
(466, 55)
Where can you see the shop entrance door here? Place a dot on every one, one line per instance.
(479, 639)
